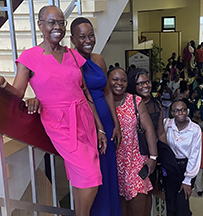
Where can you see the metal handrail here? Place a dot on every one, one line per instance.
(8, 205)
(27, 129)
(71, 7)
(9, 10)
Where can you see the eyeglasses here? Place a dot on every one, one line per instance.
(144, 82)
(52, 23)
(179, 110)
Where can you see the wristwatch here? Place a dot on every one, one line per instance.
(153, 157)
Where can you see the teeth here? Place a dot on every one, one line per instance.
(88, 47)
(56, 33)
(118, 88)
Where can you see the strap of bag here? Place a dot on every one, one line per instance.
(74, 57)
(83, 88)
(135, 105)
(139, 126)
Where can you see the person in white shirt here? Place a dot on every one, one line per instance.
(175, 84)
(184, 138)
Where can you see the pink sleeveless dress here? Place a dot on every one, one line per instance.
(65, 114)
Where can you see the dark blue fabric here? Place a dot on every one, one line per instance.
(107, 201)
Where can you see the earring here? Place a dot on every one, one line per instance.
(41, 35)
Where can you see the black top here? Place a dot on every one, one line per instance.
(154, 109)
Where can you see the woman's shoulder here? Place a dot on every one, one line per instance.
(30, 54)
(32, 50)
(80, 60)
(138, 99)
(96, 56)
(131, 97)
(99, 60)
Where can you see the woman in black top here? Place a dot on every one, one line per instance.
(140, 84)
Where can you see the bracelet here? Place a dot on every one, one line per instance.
(101, 131)
(4, 84)
(153, 157)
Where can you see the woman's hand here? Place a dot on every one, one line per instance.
(33, 105)
(2, 80)
(102, 142)
(151, 165)
(117, 133)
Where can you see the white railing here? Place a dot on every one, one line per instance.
(8, 205)
(9, 10)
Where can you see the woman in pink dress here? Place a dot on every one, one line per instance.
(133, 189)
(54, 74)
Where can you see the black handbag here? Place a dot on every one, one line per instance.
(143, 145)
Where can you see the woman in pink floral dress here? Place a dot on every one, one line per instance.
(133, 189)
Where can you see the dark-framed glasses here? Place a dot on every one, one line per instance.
(52, 23)
(180, 110)
(143, 83)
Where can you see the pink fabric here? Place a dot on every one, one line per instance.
(129, 159)
(66, 114)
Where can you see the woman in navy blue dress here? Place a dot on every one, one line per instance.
(107, 201)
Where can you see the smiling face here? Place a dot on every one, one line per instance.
(143, 86)
(179, 111)
(118, 82)
(53, 33)
(84, 39)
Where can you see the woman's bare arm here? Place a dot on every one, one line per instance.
(98, 59)
(146, 123)
(101, 133)
(20, 83)
(160, 130)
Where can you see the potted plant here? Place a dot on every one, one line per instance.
(157, 64)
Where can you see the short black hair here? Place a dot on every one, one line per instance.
(114, 68)
(184, 100)
(77, 22)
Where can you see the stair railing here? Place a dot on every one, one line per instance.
(9, 10)
(17, 124)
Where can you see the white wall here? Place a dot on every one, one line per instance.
(119, 41)
(107, 21)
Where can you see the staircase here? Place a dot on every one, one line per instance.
(100, 12)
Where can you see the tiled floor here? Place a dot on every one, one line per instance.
(196, 204)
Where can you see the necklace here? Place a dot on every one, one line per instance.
(122, 100)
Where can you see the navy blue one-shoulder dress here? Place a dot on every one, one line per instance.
(107, 201)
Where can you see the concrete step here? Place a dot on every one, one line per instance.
(23, 32)
(22, 23)
(88, 6)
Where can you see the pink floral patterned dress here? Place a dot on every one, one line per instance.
(129, 159)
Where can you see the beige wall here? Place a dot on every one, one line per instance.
(187, 21)
(147, 17)
(119, 41)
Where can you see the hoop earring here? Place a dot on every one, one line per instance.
(41, 35)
